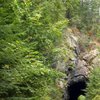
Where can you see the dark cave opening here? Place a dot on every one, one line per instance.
(76, 89)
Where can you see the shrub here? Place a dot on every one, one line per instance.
(93, 87)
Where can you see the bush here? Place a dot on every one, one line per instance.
(93, 88)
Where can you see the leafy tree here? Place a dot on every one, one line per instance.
(84, 14)
(30, 30)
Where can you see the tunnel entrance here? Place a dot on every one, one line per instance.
(76, 89)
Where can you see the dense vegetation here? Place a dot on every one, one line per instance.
(93, 88)
(30, 33)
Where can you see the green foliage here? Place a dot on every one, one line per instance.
(97, 97)
(84, 14)
(93, 88)
(72, 7)
(30, 30)
(81, 97)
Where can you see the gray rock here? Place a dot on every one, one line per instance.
(91, 55)
(72, 41)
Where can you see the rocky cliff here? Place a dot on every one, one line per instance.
(81, 58)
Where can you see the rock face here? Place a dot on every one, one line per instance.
(91, 55)
(78, 75)
(69, 45)
(72, 41)
(77, 64)
(82, 68)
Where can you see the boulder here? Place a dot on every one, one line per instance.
(91, 55)
(72, 41)
(96, 61)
